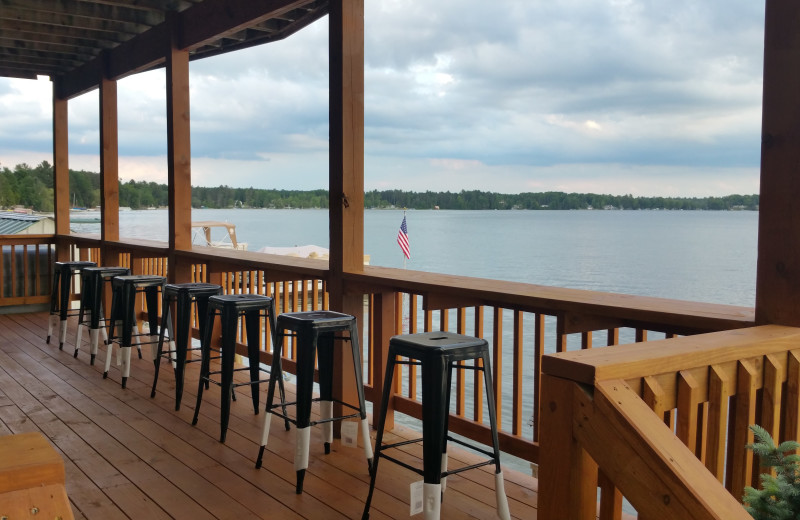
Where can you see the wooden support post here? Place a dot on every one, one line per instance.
(346, 172)
(179, 172)
(109, 163)
(778, 271)
(60, 169)
(567, 475)
(383, 330)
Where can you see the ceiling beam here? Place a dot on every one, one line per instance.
(201, 24)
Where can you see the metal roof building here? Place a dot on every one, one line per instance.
(12, 223)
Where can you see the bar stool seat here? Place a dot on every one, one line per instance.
(92, 282)
(182, 294)
(231, 307)
(315, 333)
(59, 298)
(438, 354)
(123, 310)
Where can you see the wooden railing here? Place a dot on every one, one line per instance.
(26, 275)
(522, 322)
(665, 423)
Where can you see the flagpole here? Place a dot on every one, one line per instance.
(404, 256)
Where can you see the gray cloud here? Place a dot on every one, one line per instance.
(511, 83)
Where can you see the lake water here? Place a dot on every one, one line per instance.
(690, 255)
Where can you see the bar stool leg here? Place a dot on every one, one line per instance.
(166, 321)
(179, 342)
(54, 299)
(325, 361)
(277, 349)
(63, 309)
(129, 329)
(94, 323)
(116, 310)
(205, 362)
(434, 397)
(499, 486)
(253, 329)
(373, 473)
(276, 372)
(230, 322)
(362, 405)
(305, 386)
(79, 334)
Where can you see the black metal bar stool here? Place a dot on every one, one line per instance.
(179, 327)
(438, 353)
(231, 307)
(315, 332)
(123, 309)
(59, 299)
(92, 282)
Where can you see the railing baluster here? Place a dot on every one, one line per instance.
(516, 406)
(586, 339)
(610, 499)
(791, 423)
(741, 462)
(477, 403)
(14, 271)
(688, 401)
(538, 352)
(497, 364)
(774, 376)
(720, 390)
(461, 327)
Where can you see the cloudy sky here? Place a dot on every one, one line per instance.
(648, 97)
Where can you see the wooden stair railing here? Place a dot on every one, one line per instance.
(664, 423)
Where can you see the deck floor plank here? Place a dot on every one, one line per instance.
(130, 456)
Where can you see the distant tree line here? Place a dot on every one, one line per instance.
(32, 187)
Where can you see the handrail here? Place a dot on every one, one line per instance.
(665, 421)
(581, 308)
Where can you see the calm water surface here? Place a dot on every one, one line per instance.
(690, 255)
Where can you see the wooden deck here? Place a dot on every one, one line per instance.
(130, 456)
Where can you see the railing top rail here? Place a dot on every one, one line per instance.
(578, 305)
(670, 355)
(26, 239)
(303, 267)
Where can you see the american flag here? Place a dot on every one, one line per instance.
(402, 239)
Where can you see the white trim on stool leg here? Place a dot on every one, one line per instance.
(301, 448)
(79, 335)
(502, 500)
(265, 428)
(62, 333)
(126, 362)
(51, 323)
(367, 441)
(326, 412)
(94, 339)
(431, 501)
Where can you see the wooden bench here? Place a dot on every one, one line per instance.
(32, 479)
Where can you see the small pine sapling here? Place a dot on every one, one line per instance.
(779, 496)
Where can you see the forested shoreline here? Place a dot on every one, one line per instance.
(32, 187)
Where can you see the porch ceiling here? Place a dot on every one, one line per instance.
(74, 41)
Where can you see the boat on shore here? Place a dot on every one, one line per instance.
(214, 233)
